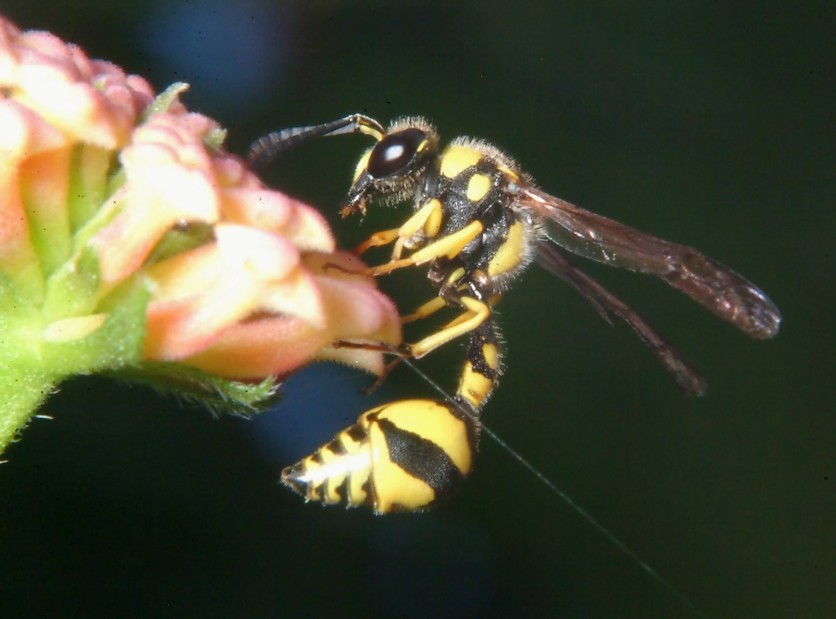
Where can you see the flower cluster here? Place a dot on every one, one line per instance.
(129, 237)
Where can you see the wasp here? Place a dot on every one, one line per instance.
(477, 222)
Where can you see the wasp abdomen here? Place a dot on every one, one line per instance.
(401, 456)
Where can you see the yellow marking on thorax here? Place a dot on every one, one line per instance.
(506, 170)
(510, 252)
(477, 187)
(458, 158)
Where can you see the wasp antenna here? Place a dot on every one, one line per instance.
(273, 145)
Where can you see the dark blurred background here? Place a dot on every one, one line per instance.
(706, 124)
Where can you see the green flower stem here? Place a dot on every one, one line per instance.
(40, 344)
(23, 390)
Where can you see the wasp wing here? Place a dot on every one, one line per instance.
(717, 288)
(606, 303)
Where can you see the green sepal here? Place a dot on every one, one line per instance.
(117, 343)
(220, 395)
(33, 366)
(73, 289)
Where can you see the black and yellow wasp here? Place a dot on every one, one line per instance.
(477, 222)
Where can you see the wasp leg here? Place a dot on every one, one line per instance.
(378, 239)
(446, 247)
(402, 456)
(401, 352)
(387, 369)
(427, 309)
(476, 314)
(424, 223)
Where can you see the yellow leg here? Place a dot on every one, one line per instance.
(378, 239)
(427, 309)
(417, 223)
(477, 313)
(457, 321)
(427, 218)
(448, 247)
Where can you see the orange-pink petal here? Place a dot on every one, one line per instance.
(265, 293)
(245, 200)
(169, 181)
(276, 345)
(22, 135)
(92, 101)
(199, 293)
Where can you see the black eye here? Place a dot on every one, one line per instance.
(395, 152)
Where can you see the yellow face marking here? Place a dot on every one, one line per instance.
(458, 158)
(474, 387)
(477, 187)
(510, 252)
(362, 165)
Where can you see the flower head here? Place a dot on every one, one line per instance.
(129, 237)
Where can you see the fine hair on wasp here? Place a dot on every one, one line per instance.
(478, 221)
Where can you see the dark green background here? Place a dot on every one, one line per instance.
(706, 124)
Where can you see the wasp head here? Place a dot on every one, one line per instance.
(391, 169)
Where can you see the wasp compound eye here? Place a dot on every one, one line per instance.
(395, 152)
